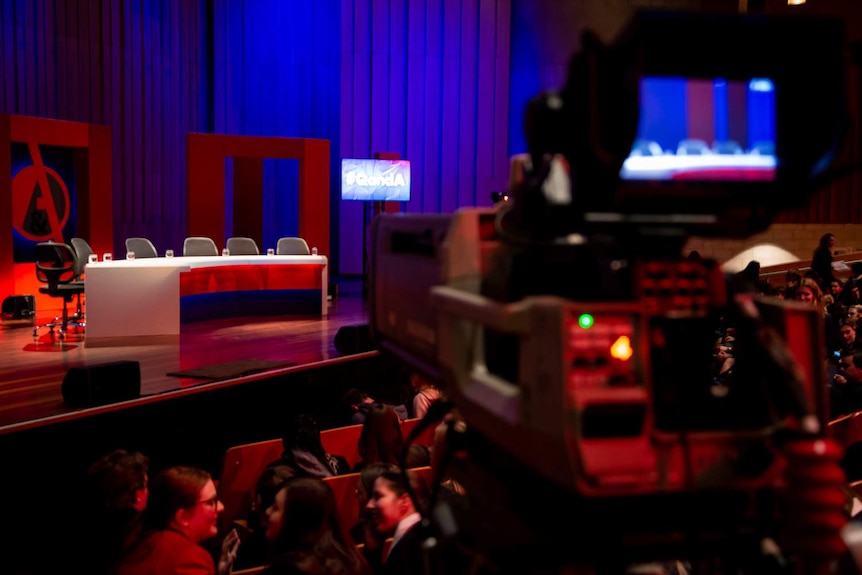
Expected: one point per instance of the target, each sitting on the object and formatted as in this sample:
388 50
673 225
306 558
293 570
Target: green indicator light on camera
586 321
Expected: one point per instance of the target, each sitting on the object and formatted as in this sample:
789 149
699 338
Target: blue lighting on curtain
722 115
761 112
277 73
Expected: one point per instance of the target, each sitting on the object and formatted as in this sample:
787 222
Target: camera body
575 339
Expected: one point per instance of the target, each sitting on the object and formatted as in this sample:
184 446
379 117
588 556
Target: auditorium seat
343 441
425 438
241 467
243 464
344 489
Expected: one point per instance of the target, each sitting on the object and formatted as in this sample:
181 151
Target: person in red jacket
181 515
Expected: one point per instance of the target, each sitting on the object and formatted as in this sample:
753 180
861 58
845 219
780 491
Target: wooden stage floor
32 371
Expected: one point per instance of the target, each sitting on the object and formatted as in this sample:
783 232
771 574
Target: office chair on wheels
56 267
82 258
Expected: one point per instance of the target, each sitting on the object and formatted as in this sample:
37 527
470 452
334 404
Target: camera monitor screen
704 129
375 180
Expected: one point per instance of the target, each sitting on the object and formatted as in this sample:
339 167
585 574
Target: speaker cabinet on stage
352 339
102 383
19 307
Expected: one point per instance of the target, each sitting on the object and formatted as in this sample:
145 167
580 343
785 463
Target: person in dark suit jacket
181 515
394 512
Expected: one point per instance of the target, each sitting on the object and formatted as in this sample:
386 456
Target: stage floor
32 371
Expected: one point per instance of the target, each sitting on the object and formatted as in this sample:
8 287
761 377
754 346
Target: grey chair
289 246
692 147
238 246
199 246
142 247
646 148
82 254
727 148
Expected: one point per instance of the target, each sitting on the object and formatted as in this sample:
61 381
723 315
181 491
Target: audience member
791 282
303 451
846 388
380 440
181 515
394 512
425 394
850 294
418 455
364 530
821 260
254 549
809 292
847 337
303 527
357 403
444 454
116 494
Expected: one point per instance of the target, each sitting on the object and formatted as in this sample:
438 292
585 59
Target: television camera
576 341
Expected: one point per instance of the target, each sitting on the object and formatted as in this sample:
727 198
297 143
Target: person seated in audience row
425 393
394 513
303 451
181 515
364 529
380 440
809 292
116 494
254 550
847 341
304 529
846 386
358 403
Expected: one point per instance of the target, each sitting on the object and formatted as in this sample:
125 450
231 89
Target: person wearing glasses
181 515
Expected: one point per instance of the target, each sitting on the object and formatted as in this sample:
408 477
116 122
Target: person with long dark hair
303 451
306 535
381 439
821 261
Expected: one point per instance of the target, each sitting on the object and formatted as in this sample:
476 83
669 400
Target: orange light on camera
622 348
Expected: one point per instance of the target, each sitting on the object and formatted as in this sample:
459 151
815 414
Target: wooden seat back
241 467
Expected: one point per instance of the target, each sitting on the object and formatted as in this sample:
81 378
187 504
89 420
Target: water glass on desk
107 257
314 251
169 253
270 252
130 256
225 252
93 258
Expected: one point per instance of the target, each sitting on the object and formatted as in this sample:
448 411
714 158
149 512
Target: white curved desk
139 301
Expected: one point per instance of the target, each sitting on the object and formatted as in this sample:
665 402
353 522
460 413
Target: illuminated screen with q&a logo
375 180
